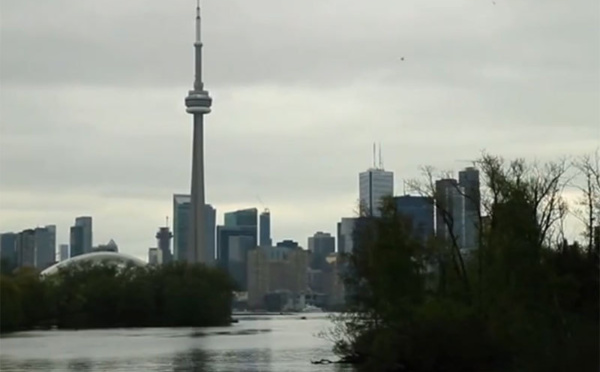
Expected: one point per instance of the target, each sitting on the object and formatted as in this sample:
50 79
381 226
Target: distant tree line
525 300
106 295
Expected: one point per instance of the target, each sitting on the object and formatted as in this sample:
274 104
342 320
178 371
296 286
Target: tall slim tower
198 103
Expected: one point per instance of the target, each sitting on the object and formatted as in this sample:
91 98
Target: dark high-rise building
345 235
265 229
181 222
243 217
210 222
340 241
181 230
86 223
45 246
468 179
237 264
320 245
77 241
288 244
26 248
64 252
419 209
234 243
450 210
163 236
8 250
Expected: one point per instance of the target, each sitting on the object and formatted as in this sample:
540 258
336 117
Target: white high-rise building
374 184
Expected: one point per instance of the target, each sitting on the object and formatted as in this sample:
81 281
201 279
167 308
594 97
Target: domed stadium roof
95 257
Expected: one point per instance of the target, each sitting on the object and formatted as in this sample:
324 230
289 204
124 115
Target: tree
521 300
588 167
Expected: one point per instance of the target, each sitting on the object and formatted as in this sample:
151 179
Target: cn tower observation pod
95 257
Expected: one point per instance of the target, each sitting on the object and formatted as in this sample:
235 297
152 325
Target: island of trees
525 300
103 296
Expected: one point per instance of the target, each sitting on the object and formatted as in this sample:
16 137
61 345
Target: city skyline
435 107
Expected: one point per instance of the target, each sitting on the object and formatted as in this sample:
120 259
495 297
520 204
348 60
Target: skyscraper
419 209
45 246
468 179
198 103
210 225
26 248
374 184
450 211
64 252
163 237
233 245
243 217
320 245
181 222
345 234
238 247
181 230
265 229
86 223
77 240
8 249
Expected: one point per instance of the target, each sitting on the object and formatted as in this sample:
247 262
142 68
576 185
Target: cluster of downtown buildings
285 275
36 247
268 275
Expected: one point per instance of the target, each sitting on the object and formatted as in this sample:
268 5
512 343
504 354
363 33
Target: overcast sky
92 120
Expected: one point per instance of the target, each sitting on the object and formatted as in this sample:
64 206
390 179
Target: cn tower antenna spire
198 83
198 38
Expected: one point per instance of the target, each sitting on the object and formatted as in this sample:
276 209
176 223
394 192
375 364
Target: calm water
261 343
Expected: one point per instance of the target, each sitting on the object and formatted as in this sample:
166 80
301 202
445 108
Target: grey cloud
311 43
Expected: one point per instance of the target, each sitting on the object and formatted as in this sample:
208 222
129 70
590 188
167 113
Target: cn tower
198 103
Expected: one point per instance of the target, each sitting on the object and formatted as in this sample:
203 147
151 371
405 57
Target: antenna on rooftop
167 218
374 157
380 158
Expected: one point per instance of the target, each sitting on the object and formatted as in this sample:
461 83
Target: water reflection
80 365
192 360
25 365
267 344
251 360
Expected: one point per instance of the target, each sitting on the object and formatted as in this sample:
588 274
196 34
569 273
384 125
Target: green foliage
10 304
99 296
523 301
